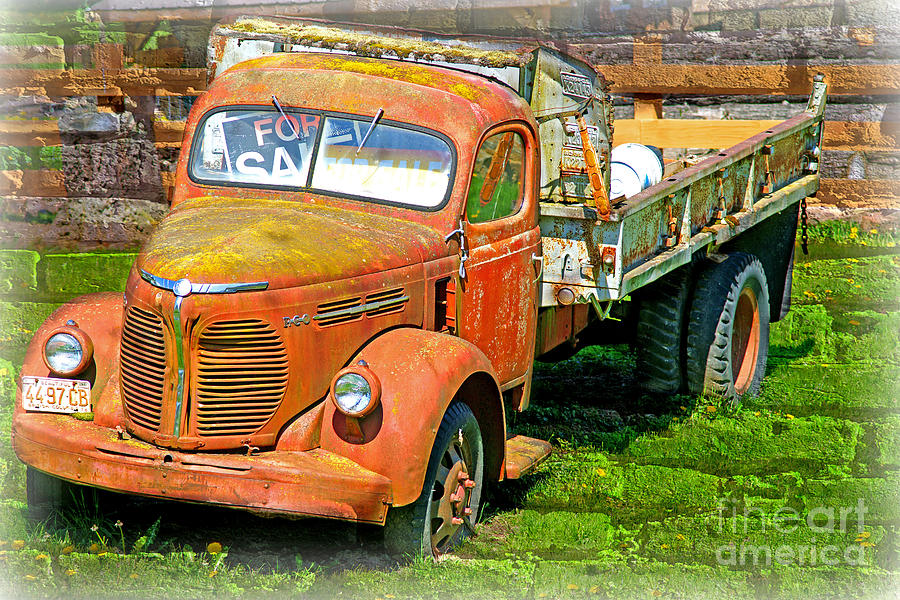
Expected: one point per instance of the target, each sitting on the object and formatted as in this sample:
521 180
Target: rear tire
451 492
728 328
660 333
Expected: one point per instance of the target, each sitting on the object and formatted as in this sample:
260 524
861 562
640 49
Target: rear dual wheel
447 509
705 329
728 328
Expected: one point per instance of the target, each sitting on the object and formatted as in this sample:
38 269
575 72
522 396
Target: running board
524 454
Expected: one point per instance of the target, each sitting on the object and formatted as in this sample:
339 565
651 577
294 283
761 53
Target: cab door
499 293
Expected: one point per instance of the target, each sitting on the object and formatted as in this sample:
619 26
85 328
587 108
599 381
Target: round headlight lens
352 393
63 353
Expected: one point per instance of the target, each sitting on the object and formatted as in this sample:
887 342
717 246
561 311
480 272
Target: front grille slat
143 364
241 377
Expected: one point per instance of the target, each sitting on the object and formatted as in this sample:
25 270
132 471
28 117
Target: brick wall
93 101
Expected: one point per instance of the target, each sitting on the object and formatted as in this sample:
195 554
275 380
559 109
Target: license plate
47 394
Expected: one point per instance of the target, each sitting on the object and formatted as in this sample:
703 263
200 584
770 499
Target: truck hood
287 244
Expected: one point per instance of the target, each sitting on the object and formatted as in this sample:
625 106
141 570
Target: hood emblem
184 287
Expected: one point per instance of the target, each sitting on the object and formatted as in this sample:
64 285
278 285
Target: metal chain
804 218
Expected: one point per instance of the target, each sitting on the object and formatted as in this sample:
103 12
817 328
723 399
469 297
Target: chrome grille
143 365
242 374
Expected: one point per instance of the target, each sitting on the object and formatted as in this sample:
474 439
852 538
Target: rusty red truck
372 237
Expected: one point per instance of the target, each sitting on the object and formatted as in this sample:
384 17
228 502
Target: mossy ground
794 494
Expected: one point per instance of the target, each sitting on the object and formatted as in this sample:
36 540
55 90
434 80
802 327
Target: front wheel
447 509
728 328
48 496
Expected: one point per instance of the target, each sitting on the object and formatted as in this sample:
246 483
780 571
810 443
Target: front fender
420 373
100 316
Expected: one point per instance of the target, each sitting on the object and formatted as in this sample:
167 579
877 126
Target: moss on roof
365 44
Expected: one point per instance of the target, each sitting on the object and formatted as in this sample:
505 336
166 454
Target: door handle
539 260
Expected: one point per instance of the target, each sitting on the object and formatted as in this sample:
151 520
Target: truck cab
352 247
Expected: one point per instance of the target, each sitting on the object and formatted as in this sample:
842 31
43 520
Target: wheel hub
451 503
745 339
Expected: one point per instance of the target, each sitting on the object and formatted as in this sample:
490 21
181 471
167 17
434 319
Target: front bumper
313 483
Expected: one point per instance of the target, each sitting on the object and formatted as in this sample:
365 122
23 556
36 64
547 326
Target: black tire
728 328
660 333
422 528
47 496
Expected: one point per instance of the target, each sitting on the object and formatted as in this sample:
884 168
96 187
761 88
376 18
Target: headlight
356 390
67 350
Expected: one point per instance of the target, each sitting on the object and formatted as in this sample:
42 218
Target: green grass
667 497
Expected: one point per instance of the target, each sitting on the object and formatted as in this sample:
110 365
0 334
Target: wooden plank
97 82
750 79
29 133
700 133
44 183
168 132
859 193
665 133
626 79
46 133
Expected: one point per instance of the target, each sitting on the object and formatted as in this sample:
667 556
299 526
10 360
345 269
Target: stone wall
93 101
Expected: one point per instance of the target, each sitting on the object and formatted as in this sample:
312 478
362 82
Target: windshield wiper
371 127
281 110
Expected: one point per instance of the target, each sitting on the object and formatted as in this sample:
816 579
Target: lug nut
467 511
462 476
456 521
469 483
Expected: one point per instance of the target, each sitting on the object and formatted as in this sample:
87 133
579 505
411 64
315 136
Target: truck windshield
260 148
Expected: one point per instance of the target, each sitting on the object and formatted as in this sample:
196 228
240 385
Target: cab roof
435 97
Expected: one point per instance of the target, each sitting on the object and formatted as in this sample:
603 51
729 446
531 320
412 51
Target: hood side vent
377 303
339 311
386 302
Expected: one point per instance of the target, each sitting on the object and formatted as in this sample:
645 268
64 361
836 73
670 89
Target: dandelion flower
41 556
30 577
788 416
710 409
133 576
571 586
213 573
68 549
214 548
664 546
70 572
601 472
678 536
18 544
